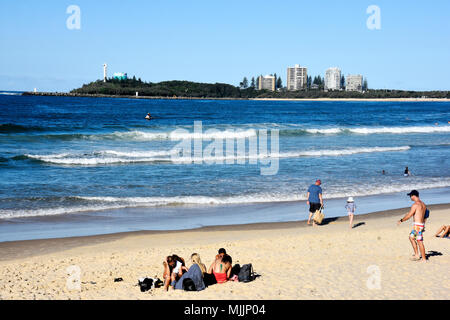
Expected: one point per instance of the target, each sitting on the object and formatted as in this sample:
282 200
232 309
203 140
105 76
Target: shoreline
80 95
21 249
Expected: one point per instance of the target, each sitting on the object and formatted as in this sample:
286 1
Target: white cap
350 199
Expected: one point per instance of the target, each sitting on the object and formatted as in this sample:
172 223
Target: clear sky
223 41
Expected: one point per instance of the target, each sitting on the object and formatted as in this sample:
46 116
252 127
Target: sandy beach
296 261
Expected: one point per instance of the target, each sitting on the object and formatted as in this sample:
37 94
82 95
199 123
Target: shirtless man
416 237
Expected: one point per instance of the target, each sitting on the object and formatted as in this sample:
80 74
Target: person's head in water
318 182
414 195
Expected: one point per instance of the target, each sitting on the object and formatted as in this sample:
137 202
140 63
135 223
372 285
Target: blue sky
223 41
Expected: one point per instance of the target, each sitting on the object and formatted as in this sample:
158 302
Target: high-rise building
333 79
266 82
354 82
296 77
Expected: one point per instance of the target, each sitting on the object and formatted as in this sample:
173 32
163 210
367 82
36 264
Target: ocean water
76 166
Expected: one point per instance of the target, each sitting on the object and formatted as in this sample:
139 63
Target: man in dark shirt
315 200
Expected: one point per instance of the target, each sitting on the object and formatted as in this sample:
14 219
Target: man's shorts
417 231
313 207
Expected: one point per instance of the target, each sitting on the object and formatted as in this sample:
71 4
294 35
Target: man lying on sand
416 236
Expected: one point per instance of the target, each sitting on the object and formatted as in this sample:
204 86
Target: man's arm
409 214
321 199
307 198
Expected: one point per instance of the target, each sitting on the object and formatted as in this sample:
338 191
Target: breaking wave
175 156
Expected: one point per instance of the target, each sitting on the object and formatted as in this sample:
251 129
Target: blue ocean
81 166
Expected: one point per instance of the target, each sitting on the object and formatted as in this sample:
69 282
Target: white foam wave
111 156
380 130
178 135
332 192
24 213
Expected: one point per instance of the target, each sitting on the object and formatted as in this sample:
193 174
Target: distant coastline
79 95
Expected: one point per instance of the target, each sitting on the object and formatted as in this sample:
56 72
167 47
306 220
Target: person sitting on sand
221 253
173 270
351 207
445 232
195 259
221 268
416 235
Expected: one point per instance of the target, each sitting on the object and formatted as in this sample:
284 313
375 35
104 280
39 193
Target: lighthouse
105 71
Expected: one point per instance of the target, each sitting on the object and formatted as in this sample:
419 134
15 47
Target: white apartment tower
266 82
333 79
296 77
354 82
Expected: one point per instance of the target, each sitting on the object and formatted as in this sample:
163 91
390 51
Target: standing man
416 236
315 200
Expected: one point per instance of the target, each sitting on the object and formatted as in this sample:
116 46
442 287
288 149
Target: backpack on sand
246 273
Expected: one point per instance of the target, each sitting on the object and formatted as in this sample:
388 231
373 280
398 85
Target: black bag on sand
246 273
146 284
189 285
235 270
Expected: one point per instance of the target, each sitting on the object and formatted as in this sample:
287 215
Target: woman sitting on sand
445 231
174 267
195 259
221 268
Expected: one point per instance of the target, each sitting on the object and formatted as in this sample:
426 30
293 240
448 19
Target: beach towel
195 274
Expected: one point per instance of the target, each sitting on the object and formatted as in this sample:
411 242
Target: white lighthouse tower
105 71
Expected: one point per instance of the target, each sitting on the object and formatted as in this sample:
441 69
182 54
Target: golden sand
331 261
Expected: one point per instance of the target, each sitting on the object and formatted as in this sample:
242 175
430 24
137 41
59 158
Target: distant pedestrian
351 208
315 200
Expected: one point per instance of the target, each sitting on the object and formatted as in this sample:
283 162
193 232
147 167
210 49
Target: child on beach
351 207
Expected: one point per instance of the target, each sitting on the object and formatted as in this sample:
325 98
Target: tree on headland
253 84
308 82
365 86
245 82
279 83
342 82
